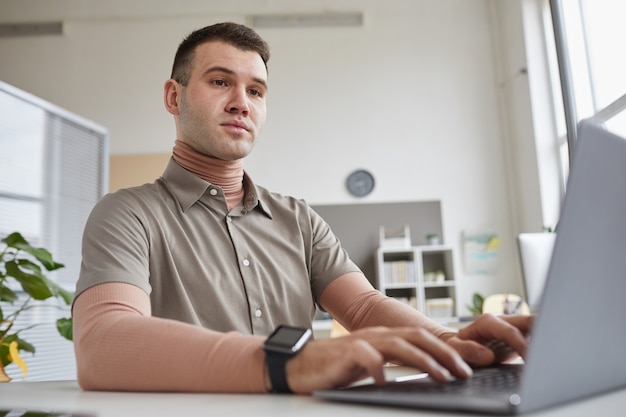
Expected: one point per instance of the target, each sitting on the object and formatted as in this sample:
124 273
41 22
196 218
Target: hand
492 339
335 362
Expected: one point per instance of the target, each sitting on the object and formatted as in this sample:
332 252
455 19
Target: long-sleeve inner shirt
180 283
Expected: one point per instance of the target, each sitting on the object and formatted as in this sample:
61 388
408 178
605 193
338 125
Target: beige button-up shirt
261 264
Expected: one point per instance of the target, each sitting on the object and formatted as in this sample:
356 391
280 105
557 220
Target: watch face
360 183
287 339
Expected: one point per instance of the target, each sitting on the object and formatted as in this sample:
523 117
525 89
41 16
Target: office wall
357 226
413 95
127 170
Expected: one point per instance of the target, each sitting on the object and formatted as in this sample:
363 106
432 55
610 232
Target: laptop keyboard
502 379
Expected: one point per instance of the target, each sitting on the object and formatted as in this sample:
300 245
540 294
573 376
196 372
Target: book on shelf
399 272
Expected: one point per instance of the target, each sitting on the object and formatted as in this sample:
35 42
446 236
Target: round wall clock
360 183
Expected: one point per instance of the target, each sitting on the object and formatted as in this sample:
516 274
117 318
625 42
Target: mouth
236 125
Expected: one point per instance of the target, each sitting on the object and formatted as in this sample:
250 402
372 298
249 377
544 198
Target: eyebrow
231 72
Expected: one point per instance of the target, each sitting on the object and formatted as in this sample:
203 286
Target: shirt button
258 313
246 262
213 191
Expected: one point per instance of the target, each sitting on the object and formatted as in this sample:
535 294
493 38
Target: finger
368 359
421 349
474 353
501 350
523 323
445 355
511 330
331 363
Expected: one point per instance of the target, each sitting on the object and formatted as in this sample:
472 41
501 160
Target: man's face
223 107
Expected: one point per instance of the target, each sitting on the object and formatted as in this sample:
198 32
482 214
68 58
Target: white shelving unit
421 276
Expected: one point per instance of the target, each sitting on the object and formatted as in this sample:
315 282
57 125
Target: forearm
352 301
120 347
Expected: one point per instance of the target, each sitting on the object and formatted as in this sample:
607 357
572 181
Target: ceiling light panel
307 20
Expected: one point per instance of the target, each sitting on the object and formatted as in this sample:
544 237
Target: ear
171 95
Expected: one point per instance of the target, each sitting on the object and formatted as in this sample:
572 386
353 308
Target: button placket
258 316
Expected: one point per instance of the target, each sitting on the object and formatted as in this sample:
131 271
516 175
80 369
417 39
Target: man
183 279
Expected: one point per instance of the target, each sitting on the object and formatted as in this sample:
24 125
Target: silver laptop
577 343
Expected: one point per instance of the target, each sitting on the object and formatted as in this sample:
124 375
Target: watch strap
276 363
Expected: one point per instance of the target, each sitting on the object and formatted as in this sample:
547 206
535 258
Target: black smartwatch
283 344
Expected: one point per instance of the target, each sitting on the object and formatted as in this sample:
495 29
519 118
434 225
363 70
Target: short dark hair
237 35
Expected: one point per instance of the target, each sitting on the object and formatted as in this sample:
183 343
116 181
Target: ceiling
38 10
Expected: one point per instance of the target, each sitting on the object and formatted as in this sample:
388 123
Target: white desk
67 396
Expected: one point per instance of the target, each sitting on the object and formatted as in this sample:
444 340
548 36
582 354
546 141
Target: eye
219 82
255 92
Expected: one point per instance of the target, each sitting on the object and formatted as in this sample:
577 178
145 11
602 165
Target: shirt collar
188 188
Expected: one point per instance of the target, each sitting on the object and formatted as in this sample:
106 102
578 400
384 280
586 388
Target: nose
238 103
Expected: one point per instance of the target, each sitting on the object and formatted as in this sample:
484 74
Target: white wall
414 95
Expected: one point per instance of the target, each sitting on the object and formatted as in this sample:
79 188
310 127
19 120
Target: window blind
53 169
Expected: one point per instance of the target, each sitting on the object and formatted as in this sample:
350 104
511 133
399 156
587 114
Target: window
589 36
53 169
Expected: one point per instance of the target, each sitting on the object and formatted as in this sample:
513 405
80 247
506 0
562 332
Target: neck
228 175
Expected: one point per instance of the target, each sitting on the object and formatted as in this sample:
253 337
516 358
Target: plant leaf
17 241
29 265
6 294
54 288
64 326
478 300
44 257
21 345
37 285
59 291
67 296
14 239
17 359
34 284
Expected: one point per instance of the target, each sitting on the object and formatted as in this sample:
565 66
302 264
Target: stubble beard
215 141
220 145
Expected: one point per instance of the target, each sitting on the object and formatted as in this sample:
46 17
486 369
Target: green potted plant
476 308
432 239
25 264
